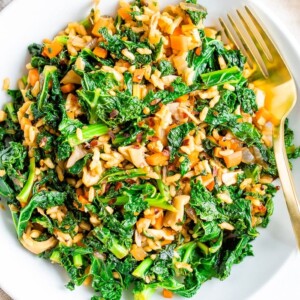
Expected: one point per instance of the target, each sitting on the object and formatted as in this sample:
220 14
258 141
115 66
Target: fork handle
286 178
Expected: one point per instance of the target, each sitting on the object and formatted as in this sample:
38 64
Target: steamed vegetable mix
137 152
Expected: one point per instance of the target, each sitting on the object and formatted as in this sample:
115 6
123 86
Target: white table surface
289 12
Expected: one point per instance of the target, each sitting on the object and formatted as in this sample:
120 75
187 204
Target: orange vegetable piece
233 159
208 181
198 51
83 201
167 294
211 186
100 52
159 222
217 152
33 76
124 13
88 279
183 98
157 159
67 88
194 157
138 75
177 31
102 22
52 49
179 42
225 143
235 145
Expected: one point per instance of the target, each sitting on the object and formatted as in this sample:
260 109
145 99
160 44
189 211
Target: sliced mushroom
89 179
76 155
172 219
37 247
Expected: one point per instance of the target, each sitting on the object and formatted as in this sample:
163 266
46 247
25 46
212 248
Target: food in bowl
136 152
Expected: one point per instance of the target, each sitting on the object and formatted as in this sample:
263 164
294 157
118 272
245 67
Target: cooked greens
135 152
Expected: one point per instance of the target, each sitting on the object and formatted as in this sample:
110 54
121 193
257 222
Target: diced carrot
183 98
88 279
177 31
83 201
97 27
102 22
124 13
138 75
225 143
198 51
233 159
33 76
194 158
100 52
217 152
179 42
157 159
167 294
159 222
211 186
208 181
52 49
67 88
187 28
235 145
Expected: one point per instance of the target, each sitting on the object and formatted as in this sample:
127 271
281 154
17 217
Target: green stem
104 235
122 175
9 107
47 75
77 260
55 257
163 189
203 248
189 252
142 268
88 133
25 192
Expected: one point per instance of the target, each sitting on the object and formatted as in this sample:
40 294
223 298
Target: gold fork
274 78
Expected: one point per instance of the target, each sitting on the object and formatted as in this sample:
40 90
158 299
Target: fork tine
245 36
232 36
247 19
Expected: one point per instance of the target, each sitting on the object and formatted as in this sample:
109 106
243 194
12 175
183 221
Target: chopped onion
247 156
